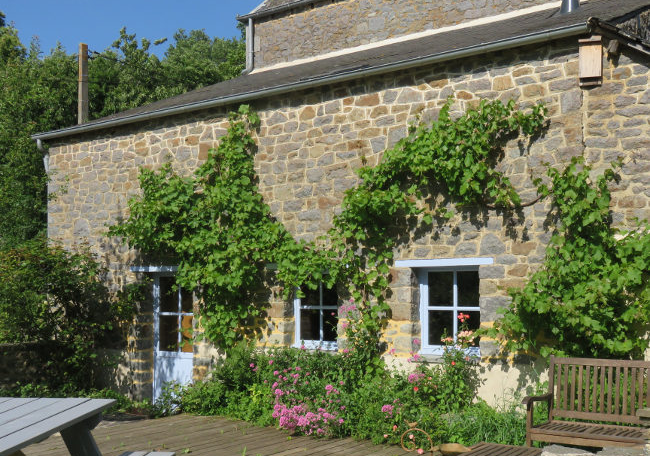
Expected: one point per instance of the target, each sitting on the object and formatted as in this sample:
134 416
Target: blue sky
98 22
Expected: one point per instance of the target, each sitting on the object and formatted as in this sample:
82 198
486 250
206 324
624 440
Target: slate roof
268 7
532 28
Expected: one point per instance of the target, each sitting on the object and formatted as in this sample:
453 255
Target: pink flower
416 341
463 317
385 436
270 362
411 436
394 427
453 363
415 388
420 451
252 365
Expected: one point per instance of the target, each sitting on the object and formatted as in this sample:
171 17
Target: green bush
286 385
481 423
58 300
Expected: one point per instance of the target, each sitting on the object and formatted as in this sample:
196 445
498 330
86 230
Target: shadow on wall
506 379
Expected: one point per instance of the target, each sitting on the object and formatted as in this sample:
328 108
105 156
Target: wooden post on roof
82 104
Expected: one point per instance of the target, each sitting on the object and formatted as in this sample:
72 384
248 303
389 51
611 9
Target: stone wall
311 142
331 26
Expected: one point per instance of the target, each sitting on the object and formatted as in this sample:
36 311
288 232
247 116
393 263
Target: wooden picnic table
24 421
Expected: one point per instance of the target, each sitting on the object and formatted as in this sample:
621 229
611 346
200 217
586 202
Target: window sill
317 345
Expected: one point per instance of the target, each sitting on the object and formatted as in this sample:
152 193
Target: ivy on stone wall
455 156
223 236
591 296
216 226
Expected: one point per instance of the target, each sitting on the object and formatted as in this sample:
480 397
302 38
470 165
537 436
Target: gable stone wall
325 27
311 142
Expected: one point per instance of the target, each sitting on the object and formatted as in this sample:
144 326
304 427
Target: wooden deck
201 435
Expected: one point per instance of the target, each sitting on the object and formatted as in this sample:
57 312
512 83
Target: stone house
335 80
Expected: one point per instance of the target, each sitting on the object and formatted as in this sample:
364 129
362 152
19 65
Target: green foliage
219 230
591 297
40 94
481 423
455 155
128 75
35 95
250 384
196 60
217 227
63 306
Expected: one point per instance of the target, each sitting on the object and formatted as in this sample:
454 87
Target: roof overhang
343 76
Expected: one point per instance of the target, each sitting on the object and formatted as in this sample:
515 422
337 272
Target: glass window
174 316
316 317
446 293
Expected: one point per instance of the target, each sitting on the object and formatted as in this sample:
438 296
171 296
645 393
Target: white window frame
422 269
313 344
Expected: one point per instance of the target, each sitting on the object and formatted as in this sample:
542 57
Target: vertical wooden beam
594 390
82 104
581 386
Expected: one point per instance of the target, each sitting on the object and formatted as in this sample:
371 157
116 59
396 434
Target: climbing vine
457 157
219 231
216 226
591 297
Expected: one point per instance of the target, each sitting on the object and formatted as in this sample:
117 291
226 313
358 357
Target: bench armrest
644 414
528 400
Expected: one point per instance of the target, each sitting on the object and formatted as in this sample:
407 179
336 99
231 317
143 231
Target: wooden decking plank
181 438
197 434
347 446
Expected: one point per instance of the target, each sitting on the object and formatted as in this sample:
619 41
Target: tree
128 75
35 95
40 94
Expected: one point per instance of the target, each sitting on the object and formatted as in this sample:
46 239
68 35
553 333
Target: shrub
57 299
481 423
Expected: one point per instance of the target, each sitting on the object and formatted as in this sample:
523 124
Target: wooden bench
583 389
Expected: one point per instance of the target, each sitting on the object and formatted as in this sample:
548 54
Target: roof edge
535 38
278 9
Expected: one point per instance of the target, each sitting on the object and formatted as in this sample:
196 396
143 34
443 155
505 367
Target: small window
316 318
174 315
445 294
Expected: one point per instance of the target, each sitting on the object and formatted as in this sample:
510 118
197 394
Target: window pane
473 323
168 297
330 320
309 324
168 333
330 296
440 325
186 334
186 301
467 288
474 320
441 288
311 298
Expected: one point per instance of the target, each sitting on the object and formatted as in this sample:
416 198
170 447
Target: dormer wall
320 27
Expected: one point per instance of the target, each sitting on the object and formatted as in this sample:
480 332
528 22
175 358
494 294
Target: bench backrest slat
599 389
